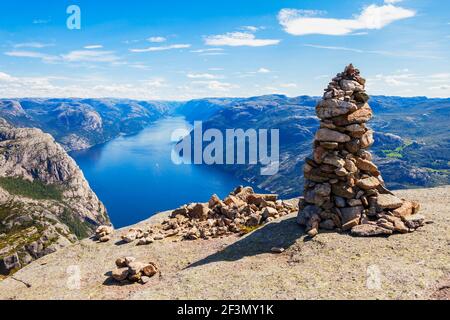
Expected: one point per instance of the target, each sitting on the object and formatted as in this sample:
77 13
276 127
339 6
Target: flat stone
332 136
388 201
351 213
364 114
368 183
369 230
342 190
330 108
406 209
366 165
329 145
349 225
334 161
351 85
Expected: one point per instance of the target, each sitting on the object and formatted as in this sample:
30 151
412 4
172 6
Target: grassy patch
76 226
34 190
246 230
397 153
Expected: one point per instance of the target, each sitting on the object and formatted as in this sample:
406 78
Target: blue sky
178 50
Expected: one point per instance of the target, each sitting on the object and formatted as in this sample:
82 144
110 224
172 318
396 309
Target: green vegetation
34 190
397 152
77 227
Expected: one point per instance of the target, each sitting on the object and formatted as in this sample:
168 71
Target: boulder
150 270
200 211
120 274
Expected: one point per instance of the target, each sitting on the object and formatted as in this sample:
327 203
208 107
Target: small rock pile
128 269
343 187
241 211
103 233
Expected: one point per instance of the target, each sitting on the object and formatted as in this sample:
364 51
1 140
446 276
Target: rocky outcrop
242 211
344 189
45 201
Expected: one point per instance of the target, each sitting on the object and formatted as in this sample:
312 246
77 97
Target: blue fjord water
135 177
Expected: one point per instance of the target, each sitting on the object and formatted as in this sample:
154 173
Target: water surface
135 177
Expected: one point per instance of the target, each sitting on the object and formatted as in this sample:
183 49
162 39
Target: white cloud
296 22
236 39
207 50
407 54
288 85
156 39
250 28
90 56
5 77
202 76
34 55
263 70
215 85
36 45
93 46
162 48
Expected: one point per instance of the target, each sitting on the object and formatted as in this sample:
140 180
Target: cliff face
45 201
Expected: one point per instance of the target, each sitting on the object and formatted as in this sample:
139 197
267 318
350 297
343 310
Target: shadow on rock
281 234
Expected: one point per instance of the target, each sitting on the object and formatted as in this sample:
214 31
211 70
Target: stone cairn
241 212
343 187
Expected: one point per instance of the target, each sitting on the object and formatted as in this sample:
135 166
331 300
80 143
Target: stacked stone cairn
343 188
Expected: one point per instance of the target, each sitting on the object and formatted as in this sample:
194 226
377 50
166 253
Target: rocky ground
330 266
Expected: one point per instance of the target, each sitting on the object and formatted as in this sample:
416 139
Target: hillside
45 201
82 123
331 266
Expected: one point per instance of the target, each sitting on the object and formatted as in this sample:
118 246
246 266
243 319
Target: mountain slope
45 201
412 139
81 123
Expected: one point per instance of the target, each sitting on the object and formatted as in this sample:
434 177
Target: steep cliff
45 201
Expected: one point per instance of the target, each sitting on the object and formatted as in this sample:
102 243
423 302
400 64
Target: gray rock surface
45 201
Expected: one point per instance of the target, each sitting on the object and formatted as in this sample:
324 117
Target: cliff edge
330 266
45 201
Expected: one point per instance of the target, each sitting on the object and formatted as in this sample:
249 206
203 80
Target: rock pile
103 233
343 187
128 269
241 211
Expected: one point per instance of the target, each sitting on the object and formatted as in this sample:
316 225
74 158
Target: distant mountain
45 201
82 123
412 136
